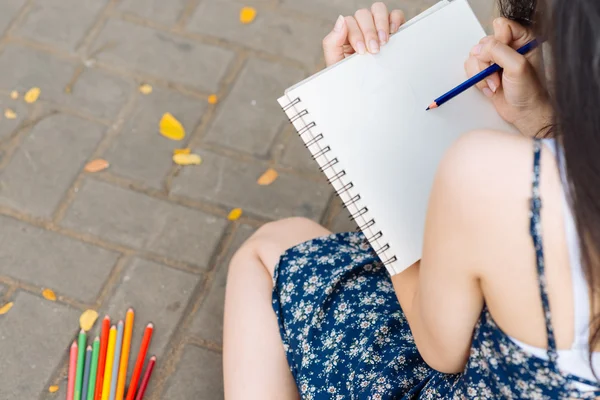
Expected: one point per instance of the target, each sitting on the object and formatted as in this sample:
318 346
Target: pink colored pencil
72 371
146 379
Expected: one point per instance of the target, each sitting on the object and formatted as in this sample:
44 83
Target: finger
333 44
512 33
355 36
514 64
472 67
381 18
397 19
367 26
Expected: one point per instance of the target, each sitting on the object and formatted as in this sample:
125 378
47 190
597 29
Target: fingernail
488 92
382 36
492 85
360 47
374 46
477 49
393 28
339 24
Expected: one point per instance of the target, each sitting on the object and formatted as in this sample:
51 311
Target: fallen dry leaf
10 114
187 159
96 165
171 128
247 15
87 319
235 214
5 308
213 99
49 294
268 177
53 389
32 95
14 95
145 88
182 151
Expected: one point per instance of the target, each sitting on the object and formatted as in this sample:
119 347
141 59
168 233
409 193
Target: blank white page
371 112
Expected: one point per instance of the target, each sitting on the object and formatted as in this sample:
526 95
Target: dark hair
572 28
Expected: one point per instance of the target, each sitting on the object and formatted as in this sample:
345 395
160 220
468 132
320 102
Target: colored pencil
102 357
139 364
146 379
115 368
110 355
93 371
469 83
80 364
122 378
86 372
72 371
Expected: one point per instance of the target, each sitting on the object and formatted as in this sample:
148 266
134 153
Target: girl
503 303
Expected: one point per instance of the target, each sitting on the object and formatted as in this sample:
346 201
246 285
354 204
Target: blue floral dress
346 337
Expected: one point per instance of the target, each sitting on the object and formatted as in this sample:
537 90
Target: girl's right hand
518 92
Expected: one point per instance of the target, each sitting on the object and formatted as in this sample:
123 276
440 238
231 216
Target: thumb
512 33
516 68
333 44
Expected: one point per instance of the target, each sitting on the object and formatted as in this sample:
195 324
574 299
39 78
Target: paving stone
331 9
9 126
25 68
342 222
49 159
158 294
140 221
36 330
164 55
208 322
165 12
233 183
140 152
2 289
8 10
270 31
62 23
297 156
49 259
199 376
253 101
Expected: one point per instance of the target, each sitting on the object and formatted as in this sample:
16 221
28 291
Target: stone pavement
146 233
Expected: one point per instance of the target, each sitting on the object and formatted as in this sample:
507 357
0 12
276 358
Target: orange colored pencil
139 364
122 376
102 356
72 371
146 379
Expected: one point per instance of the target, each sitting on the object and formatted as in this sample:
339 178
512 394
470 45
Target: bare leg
254 361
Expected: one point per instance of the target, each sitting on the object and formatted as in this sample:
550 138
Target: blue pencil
86 372
492 69
117 360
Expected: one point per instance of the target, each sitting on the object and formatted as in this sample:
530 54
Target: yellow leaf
182 151
213 99
187 159
145 88
171 128
96 165
247 15
87 319
10 114
235 214
5 308
268 177
14 95
32 95
49 294
53 389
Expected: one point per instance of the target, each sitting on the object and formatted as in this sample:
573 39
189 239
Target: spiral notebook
364 121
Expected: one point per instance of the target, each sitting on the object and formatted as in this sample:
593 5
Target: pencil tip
150 325
74 344
113 327
428 108
130 309
97 339
432 106
82 331
153 358
107 317
89 348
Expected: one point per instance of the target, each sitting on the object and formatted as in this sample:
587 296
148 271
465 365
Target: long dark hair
572 28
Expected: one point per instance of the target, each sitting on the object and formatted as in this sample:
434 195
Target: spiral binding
337 178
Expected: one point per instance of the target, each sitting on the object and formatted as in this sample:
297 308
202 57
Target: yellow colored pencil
110 356
125 354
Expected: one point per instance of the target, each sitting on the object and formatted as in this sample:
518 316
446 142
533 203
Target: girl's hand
366 31
518 92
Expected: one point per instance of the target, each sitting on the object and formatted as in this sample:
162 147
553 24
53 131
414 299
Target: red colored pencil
146 379
102 357
139 363
72 371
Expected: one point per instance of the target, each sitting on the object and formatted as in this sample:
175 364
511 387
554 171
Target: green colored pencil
80 363
93 371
